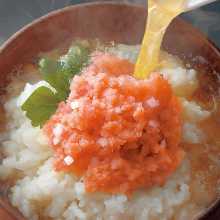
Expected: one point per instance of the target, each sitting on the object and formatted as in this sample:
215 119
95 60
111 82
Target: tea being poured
160 15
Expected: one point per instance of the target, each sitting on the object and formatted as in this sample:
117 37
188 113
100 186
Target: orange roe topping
120 133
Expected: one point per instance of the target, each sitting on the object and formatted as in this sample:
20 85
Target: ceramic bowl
122 23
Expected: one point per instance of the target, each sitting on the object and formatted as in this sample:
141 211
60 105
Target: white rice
42 193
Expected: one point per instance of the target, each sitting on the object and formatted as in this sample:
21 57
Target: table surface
15 14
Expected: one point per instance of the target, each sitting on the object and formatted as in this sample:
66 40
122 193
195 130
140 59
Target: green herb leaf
52 72
43 102
76 58
40 105
58 73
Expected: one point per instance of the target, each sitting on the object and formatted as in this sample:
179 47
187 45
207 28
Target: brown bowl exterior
122 23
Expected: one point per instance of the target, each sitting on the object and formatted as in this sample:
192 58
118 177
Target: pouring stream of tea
160 15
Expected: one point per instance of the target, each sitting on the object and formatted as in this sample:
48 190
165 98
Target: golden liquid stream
160 15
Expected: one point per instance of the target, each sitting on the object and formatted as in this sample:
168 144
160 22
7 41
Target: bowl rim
65 9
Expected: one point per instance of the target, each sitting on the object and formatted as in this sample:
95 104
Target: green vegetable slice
40 106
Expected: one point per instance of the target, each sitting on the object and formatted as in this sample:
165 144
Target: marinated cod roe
120 133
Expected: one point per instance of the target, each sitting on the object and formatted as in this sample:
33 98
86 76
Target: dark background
14 14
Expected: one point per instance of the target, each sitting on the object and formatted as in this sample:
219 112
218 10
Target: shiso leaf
58 73
42 103
76 58
53 73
